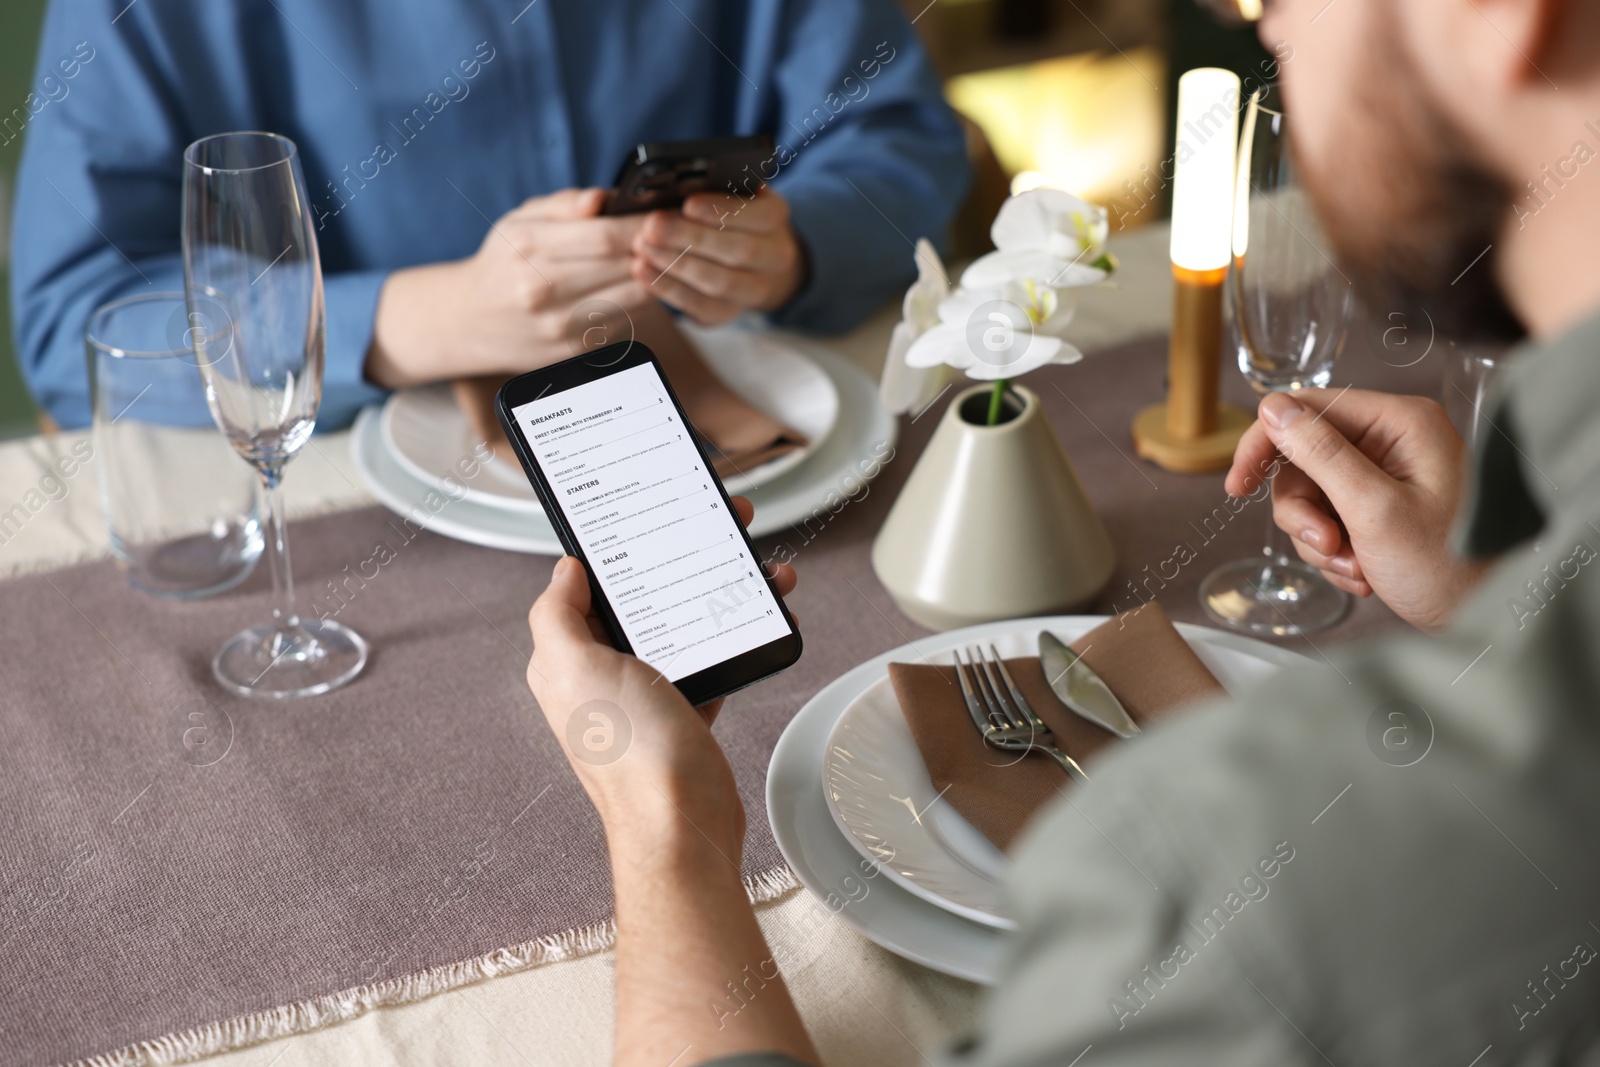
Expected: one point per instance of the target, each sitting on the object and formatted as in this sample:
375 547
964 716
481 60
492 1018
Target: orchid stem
996 399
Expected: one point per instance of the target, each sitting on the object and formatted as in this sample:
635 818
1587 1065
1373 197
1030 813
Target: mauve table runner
423 816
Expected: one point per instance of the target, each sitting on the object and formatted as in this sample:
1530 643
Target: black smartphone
627 486
663 174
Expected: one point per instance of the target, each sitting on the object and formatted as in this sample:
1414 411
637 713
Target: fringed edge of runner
324 1011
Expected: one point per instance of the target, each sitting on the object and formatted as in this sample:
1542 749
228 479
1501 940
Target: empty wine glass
1291 310
253 282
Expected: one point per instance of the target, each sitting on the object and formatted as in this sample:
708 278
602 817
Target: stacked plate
415 452
863 827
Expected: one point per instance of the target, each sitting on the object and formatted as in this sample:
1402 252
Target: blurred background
19 36
1075 94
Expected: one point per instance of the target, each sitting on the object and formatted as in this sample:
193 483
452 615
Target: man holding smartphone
1436 908
455 154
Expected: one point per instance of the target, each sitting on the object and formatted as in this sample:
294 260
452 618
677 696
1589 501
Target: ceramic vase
993 522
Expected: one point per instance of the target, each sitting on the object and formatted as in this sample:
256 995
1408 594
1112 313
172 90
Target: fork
1002 715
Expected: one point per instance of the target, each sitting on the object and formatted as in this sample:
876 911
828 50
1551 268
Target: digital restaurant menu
663 546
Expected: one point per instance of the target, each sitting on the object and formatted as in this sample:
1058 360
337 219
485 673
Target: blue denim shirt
419 121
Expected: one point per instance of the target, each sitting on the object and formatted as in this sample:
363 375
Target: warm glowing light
1090 124
1202 188
1250 10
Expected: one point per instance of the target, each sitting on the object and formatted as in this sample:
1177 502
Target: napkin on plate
738 436
1140 655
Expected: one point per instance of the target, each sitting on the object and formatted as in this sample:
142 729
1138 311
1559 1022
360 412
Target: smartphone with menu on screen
627 486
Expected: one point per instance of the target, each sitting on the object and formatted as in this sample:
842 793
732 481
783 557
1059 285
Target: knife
1083 691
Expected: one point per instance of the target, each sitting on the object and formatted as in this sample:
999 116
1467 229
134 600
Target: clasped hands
514 304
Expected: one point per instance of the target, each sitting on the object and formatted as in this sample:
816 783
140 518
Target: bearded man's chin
1411 215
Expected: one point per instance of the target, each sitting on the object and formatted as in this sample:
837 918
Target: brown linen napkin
738 437
1140 655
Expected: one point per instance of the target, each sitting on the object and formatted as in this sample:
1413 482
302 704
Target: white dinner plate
827 861
879 793
427 433
861 442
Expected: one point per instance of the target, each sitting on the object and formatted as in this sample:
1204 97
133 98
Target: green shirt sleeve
1116 951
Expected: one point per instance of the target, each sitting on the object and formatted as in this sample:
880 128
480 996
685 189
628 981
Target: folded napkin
1140 655
737 436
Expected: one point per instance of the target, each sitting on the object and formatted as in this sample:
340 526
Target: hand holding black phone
663 174
630 493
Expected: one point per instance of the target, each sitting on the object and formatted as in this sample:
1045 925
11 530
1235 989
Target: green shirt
1389 857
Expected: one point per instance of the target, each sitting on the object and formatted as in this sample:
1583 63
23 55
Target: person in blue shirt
454 153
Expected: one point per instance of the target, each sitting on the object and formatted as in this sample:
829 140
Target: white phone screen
663 546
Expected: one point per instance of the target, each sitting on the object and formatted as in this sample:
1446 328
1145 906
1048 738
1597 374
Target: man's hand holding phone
659 763
721 255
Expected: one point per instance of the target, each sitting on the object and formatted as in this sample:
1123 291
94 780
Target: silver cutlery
1001 714
1083 691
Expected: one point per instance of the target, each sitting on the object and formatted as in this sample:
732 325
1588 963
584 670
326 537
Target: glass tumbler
180 505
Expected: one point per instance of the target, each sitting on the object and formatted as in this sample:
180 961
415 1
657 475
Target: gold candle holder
1192 431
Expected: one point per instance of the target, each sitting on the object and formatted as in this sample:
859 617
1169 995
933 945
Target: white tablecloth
863 1005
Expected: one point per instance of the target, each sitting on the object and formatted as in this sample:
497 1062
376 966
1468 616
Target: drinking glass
254 284
1291 311
179 506
1470 371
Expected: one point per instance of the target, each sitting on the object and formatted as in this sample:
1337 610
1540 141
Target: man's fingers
1378 424
1307 524
783 575
1349 585
1252 461
1315 445
1342 569
561 614
785 578
1301 511
1342 563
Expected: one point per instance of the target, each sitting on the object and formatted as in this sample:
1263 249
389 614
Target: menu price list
665 549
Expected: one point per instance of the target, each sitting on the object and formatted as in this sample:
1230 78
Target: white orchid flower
1049 236
903 387
999 333
921 305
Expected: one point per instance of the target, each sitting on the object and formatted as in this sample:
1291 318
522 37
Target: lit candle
1191 431
1202 186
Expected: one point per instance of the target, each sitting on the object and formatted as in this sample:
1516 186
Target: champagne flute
1291 309
253 282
